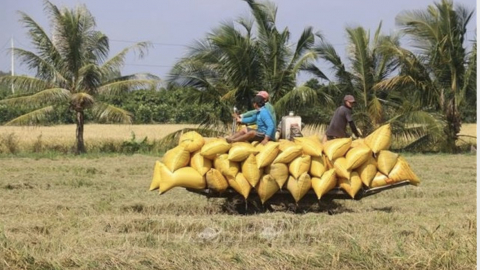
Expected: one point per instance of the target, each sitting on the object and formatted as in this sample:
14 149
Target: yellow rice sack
358 142
300 165
258 146
380 139
311 145
192 141
357 156
367 171
340 166
337 147
299 187
381 179
402 171
386 160
176 158
216 180
240 151
250 170
225 166
288 154
266 188
322 185
156 179
240 184
186 177
215 147
266 156
328 163
317 167
351 186
255 143
283 144
200 163
279 172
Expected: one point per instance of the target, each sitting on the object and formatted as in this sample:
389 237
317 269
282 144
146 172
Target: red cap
264 94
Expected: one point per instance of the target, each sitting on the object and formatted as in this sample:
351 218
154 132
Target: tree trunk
80 143
453 126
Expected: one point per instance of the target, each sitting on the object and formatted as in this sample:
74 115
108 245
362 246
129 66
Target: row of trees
146 106
421 91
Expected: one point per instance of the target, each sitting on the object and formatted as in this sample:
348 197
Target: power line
148 65
183 45
3 47
156 43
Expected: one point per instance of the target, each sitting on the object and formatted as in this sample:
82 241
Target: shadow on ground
237 205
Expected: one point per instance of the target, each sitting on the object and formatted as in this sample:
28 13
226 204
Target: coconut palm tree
238 59
71 67
368 65
439 69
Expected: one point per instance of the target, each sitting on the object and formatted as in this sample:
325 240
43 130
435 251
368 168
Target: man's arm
248 114
354 129
250 119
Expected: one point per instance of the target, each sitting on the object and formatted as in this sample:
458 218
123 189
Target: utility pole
13 65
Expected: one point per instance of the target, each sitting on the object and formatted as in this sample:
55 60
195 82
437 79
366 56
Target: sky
174 25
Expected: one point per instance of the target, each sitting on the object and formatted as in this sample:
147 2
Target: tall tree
238 59
439 66
368 65
71 67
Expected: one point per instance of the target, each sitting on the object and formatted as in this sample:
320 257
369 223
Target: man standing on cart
340 119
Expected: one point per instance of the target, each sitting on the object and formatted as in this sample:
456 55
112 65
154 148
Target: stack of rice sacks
297 166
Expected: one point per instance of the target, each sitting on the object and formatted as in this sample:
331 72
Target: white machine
291 126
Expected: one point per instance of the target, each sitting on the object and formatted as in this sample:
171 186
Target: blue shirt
270 108
264 122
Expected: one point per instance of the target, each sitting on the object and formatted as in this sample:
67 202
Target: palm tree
369 64
238 59
71 68
441 72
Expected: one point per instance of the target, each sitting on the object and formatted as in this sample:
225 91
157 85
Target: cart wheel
236 204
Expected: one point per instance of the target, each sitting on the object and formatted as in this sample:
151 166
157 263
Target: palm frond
110 114
45 67
295 100
40 99
32 118
40 39
312 69
25 84
126 84
81 101
304 43
113 65
375 111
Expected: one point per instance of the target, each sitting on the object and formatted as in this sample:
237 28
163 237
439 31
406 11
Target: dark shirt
338 124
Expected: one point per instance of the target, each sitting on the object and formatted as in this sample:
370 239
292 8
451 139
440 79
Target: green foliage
237 59
133 146
70 76
441 71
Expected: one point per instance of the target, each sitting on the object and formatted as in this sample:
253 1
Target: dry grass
468 134
96 213
62 137
108 138
92 132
